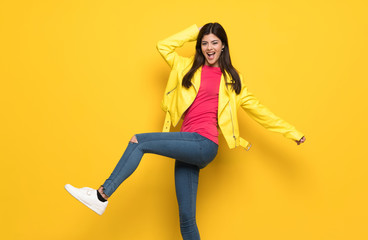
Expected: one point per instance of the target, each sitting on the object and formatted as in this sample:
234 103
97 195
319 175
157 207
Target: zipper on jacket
232 124
170 91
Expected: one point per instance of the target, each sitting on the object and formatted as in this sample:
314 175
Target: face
211 48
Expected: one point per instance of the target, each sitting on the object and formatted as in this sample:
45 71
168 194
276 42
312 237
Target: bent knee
133 139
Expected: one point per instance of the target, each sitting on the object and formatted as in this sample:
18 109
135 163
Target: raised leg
190 148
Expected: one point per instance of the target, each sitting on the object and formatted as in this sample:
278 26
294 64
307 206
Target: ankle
100 190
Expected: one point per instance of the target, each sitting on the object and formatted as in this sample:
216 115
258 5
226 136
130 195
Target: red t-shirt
201 116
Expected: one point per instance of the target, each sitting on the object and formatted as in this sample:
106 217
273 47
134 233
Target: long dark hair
224 60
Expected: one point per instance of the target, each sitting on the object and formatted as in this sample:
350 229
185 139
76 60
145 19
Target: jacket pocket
168 99
171 91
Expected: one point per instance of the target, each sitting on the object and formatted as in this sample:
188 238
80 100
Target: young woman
204 90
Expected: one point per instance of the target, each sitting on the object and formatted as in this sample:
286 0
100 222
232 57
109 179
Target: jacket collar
196 80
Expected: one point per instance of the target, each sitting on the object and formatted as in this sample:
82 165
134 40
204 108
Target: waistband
242 142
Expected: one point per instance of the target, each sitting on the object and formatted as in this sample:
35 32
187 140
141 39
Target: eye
204 43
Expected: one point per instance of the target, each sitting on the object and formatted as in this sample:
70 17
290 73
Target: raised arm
167 46
268 119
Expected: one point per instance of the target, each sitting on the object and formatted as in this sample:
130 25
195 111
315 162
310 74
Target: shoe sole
70 189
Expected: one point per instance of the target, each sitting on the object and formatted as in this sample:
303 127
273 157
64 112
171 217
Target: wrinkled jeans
191 151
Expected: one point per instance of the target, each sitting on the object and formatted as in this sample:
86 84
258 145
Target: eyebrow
211 41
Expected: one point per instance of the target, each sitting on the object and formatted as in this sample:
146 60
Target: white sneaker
88 197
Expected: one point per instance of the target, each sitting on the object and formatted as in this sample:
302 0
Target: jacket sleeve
265 117
167 46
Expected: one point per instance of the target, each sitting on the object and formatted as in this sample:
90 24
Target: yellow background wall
79 78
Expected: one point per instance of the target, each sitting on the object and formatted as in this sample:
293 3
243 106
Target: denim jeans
191 151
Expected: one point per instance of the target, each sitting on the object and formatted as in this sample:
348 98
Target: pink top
201 116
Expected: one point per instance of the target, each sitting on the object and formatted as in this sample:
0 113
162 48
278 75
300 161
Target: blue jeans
191 151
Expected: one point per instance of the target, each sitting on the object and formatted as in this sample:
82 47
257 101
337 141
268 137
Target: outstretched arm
268 119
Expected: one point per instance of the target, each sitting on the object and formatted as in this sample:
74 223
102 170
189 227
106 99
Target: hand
300 141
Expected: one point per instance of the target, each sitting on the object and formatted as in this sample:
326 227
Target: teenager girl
204 90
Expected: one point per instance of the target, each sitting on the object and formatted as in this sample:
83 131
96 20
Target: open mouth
211 56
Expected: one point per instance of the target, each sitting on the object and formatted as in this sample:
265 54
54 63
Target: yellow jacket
177 99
